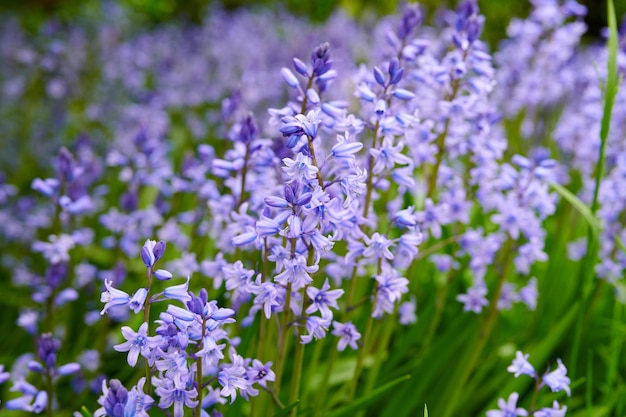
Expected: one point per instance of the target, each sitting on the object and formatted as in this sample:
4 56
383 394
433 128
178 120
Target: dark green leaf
354 407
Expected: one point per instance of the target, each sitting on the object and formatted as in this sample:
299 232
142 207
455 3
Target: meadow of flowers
264 217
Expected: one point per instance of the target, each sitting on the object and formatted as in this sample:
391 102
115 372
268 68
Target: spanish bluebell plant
258 216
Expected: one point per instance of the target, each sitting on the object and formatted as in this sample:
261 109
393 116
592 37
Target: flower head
558 380
508 408
521 366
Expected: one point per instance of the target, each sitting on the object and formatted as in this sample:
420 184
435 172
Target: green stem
361 356
441 144
296 375
275 398
50 391
199 369
440 298
380 354
485 329
326 381
284 340
370 176
244 172
146 319
589 260
534 399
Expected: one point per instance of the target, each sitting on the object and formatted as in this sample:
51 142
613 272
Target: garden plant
256 215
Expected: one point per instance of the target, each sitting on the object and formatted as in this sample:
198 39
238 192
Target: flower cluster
556 381
317 187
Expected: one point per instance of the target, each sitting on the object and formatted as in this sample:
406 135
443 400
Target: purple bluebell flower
558 380
316 328
378 246
297 272
269 297
114 399
388 155
475 298
508 408
56 273
47 187
47 348
136 302
151 252
178 292
345 149
177 392
232 377
162 274
4 376
405 217
555 411
348 335
57 250
261 373
528 294
113 297
137 343
521 366
289 78
406 312
508 296
389 290
301 168
32 400
323 299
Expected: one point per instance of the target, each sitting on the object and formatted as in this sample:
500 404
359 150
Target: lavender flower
175 392
508 408
555 411
348 334
521 366
151 252
475 299
137 343
557 380
323 299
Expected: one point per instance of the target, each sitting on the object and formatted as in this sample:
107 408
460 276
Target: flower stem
146 319
441 143
361 356
296 375
370 177
484 331
199 369
50 391
321 399
244 172
284 340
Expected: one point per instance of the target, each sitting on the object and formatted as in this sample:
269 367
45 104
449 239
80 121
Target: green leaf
609 98
84 412
425 411
620 244
611 80
285 411
581 207
355 406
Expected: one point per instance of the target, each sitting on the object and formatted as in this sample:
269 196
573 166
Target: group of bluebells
304 191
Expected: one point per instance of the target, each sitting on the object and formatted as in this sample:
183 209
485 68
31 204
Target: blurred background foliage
33 13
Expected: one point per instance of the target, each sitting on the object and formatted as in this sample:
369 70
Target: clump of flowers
556 380
261 216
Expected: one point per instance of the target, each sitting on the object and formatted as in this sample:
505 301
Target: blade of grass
587 270
581 207
355 406
84 412
285 411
